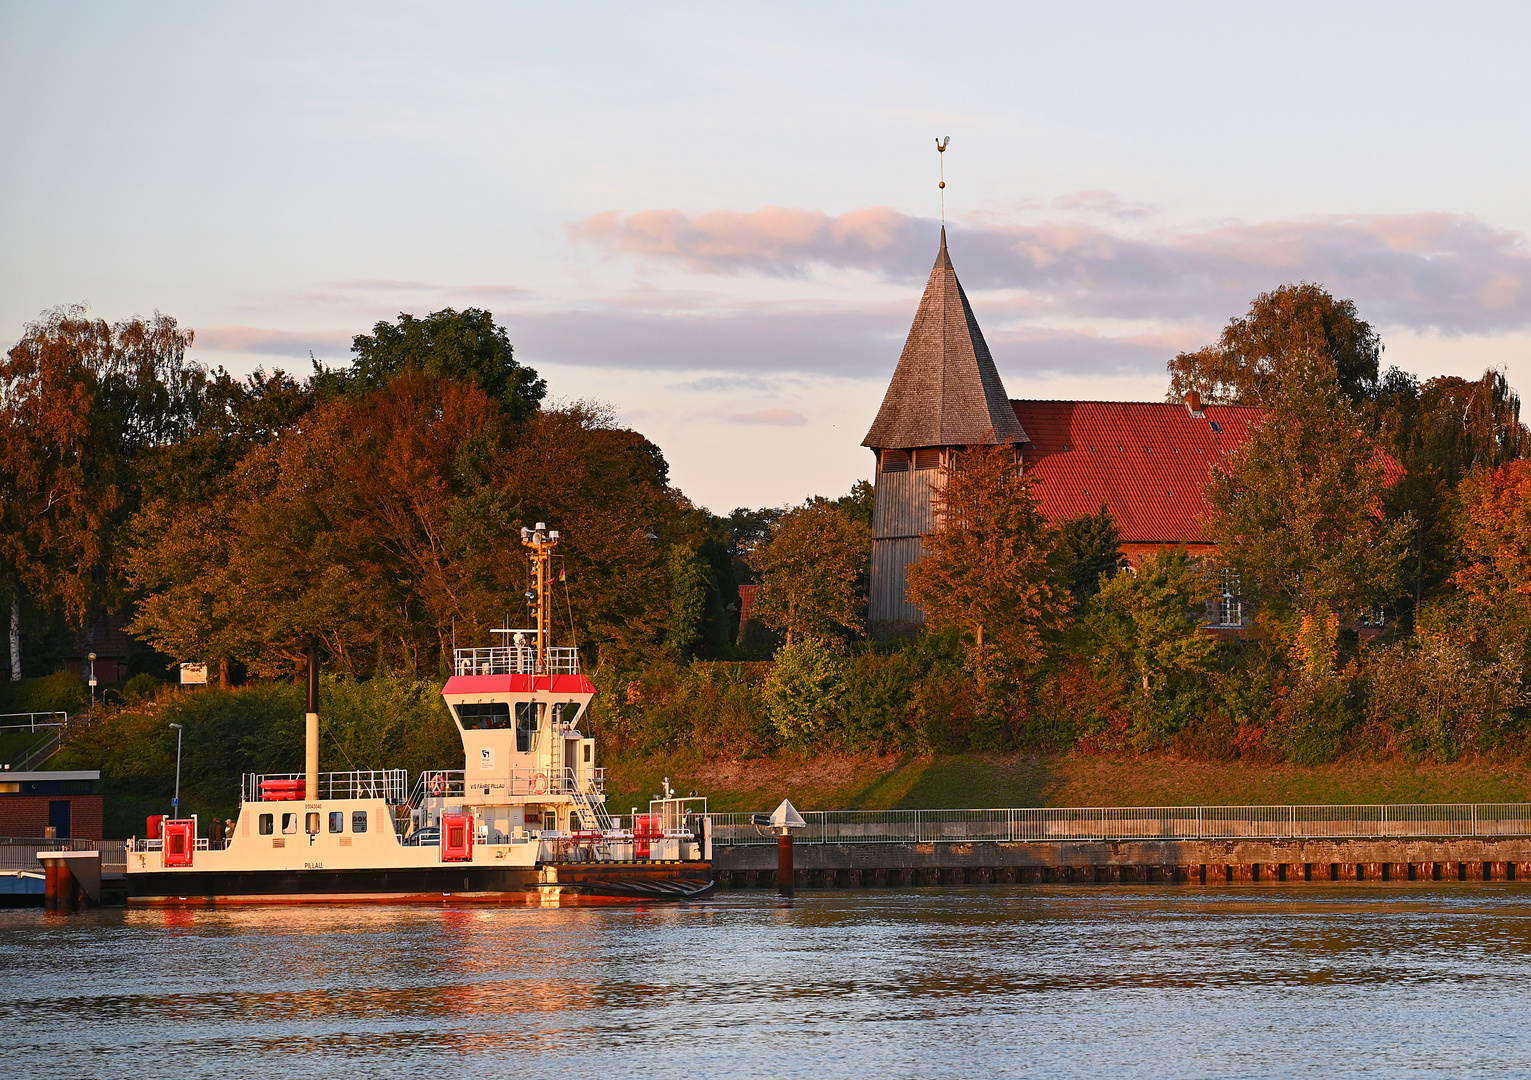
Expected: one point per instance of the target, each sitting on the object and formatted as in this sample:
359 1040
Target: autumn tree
374 525
1491 524
988 568
1283 328
81 402
810 572
1440 431
1299 511
447 344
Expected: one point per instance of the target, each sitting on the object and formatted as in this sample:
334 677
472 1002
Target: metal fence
1138 823
20 853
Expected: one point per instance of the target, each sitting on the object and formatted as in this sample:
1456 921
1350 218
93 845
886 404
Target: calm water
973 983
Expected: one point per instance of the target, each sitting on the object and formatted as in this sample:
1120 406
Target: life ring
438 785
540 784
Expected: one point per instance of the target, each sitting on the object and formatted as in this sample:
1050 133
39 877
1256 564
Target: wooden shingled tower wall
945 394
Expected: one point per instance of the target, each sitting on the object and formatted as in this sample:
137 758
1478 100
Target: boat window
290 824
266 824
566 713
337 821
358 821
484 714
313 822
526 726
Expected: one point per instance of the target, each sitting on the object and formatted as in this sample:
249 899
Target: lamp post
175 803
92 658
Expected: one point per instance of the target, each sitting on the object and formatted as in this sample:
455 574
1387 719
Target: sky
717 219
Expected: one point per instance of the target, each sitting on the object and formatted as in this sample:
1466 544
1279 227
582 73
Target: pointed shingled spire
945 390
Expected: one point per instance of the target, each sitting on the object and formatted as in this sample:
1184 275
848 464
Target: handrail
36 755
515 660
389 784
1101 823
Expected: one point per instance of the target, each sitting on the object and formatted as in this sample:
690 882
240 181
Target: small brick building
32 803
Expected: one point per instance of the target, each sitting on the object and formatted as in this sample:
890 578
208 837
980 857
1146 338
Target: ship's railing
389 784
514 660
1367 821
457 784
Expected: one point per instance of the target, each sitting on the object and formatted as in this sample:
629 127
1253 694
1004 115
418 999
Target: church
1147 462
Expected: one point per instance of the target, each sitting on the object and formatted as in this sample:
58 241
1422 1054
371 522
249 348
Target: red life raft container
180 842
153 825
282 790
646 829
456 837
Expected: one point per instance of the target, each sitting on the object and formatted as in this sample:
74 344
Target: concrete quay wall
1167 862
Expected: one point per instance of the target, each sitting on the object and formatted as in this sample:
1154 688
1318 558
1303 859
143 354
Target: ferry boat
524 820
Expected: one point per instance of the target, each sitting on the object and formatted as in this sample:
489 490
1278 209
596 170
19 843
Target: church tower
945 395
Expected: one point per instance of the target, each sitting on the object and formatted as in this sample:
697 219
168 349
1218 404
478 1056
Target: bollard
784 874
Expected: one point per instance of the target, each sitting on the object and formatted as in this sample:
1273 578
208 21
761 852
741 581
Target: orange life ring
540 784
438 785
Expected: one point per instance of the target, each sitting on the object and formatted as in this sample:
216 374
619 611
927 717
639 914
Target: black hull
432 884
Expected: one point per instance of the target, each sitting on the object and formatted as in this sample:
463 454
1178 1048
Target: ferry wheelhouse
525 819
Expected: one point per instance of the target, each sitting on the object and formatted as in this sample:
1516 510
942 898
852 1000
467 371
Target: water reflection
920 983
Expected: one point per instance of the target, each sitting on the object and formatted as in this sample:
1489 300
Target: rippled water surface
977 982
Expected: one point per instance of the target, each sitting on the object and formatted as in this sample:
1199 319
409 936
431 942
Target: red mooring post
60 890
784 871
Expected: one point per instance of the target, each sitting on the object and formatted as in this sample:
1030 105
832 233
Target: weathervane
941 157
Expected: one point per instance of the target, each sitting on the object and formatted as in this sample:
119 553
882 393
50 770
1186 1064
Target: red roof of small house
1147 462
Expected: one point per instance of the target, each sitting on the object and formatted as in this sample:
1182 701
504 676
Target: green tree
1150 621
810 571
1089 550
690 585
1299 511
465 345
1283 328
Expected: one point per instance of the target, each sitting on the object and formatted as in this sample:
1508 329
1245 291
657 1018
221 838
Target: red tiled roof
1148 462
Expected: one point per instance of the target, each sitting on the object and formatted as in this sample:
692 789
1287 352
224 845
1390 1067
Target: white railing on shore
20 852
52 726
389 784
1374 821
514 660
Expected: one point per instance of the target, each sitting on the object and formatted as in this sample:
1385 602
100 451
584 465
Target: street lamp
175 803
92 659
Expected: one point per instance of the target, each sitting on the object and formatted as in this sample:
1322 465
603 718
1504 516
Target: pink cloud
1446 272
254 339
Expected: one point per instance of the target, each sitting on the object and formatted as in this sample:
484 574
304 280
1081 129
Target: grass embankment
1006 780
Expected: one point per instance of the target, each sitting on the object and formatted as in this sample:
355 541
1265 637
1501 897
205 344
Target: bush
59 692
805 694
1433 699
140 688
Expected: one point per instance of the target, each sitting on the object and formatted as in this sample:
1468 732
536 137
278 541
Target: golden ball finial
942 184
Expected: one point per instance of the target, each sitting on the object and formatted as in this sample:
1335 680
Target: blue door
58 817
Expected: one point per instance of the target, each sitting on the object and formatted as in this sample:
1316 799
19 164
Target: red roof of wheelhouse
1147 462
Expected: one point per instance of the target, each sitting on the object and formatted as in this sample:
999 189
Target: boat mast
541 541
